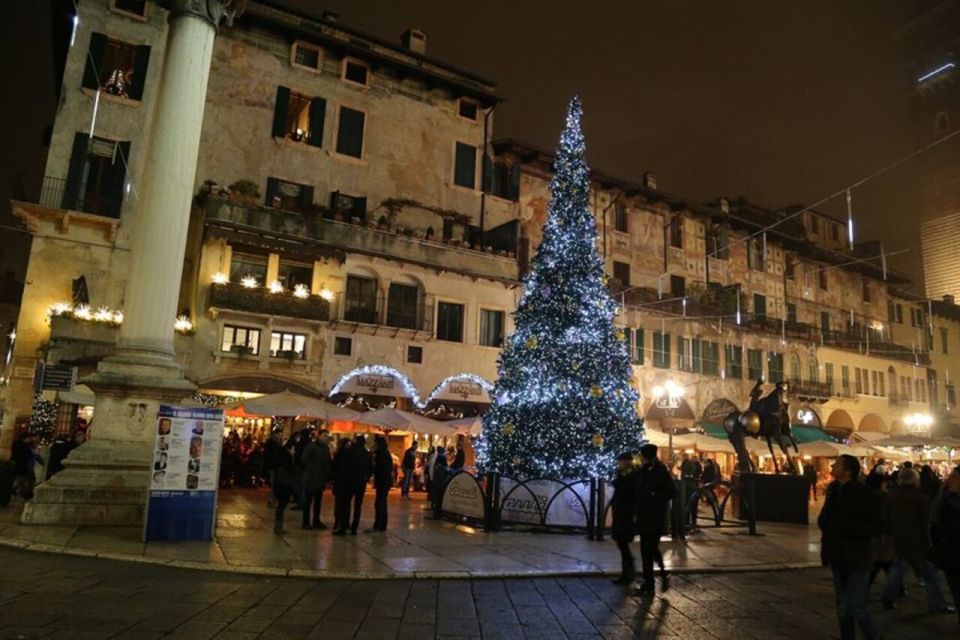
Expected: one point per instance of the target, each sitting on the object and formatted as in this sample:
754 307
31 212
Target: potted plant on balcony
241 350
288 354
418 233
245 192
383 223
431 234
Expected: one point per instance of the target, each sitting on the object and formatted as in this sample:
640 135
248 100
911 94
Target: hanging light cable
850 219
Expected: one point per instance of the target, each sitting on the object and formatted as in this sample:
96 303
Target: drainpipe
483 175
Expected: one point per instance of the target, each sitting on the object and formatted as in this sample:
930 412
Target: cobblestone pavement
51 596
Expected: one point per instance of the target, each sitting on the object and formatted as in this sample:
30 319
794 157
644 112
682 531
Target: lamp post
667 398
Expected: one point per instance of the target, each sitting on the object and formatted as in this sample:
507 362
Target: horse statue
766 417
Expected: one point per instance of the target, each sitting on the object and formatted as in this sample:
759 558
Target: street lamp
918 422
667 398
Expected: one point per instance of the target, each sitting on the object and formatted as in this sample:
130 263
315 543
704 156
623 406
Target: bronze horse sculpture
766 417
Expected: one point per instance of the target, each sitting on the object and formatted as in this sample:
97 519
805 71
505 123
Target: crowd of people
301 469
888 521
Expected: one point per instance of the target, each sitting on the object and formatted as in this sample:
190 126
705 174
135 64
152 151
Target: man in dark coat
459 458
908 521
623 506
342 492
408 464
284 486
357 470
315 464
654 492
945 529
24 456
271 458
850 521
382 481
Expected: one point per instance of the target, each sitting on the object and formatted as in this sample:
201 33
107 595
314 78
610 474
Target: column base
105 480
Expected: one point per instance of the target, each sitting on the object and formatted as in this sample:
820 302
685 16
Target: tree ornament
508 429
532 342
575 365
596 391
619 335
561 386
597 440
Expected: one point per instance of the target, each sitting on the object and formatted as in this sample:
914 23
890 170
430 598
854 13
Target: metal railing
377 311
259 300
51 192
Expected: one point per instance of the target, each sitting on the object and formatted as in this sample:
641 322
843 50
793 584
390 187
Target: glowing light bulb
183 324
301 291
220 278
249 282
276 287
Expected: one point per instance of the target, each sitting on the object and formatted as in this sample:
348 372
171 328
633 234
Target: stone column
105 480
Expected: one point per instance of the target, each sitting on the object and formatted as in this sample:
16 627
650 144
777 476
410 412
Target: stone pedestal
105 480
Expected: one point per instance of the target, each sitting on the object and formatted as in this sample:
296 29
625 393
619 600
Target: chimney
330 16
949 299
414 40
650 180
724 205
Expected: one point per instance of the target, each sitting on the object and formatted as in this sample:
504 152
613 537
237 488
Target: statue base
776 498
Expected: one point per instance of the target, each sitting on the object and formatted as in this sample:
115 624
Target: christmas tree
563 407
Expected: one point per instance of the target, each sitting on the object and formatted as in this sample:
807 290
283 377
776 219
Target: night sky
782 102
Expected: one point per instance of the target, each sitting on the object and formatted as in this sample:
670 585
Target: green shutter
486 176
318 115
92 72
515 185
118 175
306 197
78 161
638 345
140 72
350 132
697 355
465 166
280 110
666 351
273 186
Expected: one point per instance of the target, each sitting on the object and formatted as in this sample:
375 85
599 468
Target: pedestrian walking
271 457
908 521
428 470
316 465
357 468
341 487
60 449
284 486
884 553
408 465
710 474
624 505
459 458
24 456
850 521
810 475
929 482
654 491
382 481
945 530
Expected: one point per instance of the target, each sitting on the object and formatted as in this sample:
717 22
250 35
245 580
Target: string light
183 324
483 383
327 294
301 291
379 370
249 282
220 278
276 287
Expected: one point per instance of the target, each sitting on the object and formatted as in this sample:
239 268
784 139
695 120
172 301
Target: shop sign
185 474
463 496
463 389
670 407
54 377
718 410
374 383
527 502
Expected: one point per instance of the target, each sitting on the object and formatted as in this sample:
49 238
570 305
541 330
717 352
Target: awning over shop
803 433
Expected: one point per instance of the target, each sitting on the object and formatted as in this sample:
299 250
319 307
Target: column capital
212 11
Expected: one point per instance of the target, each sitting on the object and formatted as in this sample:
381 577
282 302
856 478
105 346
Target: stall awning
714 430
802 433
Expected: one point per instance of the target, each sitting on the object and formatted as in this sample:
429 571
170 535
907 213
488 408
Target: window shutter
280 112
78 160
350 132
306 197
681 352
318 114
98 42
273 186
638 344
696 348
360 208
140 72
465 166
487 177
515 182
118 175
666 350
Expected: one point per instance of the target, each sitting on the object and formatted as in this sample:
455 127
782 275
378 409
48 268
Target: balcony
239 298
811 390
866 342
360 237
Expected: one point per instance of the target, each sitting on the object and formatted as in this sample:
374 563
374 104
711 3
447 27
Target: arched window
794 367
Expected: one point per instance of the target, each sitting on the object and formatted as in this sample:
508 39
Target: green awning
801 432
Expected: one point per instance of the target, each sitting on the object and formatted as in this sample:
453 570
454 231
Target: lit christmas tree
563 407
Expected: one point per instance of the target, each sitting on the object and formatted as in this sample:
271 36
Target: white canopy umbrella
289 404
657 437
702 442
905 440
889 453
824 449
470 426
398 420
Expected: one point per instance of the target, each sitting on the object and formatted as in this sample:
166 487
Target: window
755 254
794 367
759 306
248 265
828 375
288 345
305 55
733 361
360 300
880 385
718 244
491 328
951 395
845 379
348 206
465 166
822 278
710 357
791 313
403 306
676 232
834 232
916 317
905 388
621 272
874 383
289 196
775 365
243 340
291 273
342 346
865 288
814 225
118 68
688 356
350 132
638 346
678 286
96 178
899 312
620 217
825 321
661 350
298 117
356 72
859 382
944 347
789 267
813 371
414 354
891 311
450 322
468 109
754 364
133 7
504 180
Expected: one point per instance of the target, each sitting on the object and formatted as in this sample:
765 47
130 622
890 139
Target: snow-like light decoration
484 384
82 312
379 370
301 291
249 282
220 278
327 294
103 314
563 406
276 287
183 325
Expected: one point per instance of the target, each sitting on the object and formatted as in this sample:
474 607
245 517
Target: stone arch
872 422
840 419
258 383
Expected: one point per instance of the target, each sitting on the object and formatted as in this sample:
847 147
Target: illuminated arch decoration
379 371
485 385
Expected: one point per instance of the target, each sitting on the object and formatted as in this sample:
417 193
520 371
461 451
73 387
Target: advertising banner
185 474
561 506
463 496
